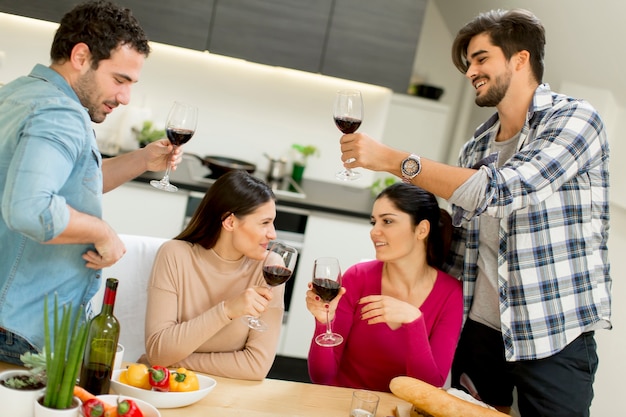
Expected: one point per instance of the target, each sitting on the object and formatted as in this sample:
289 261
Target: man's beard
496 93
86 91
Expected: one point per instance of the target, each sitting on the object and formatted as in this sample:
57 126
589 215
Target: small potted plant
64 348
20 388
148 133
299 163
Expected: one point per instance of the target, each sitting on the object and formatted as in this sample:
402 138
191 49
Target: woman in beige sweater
205 280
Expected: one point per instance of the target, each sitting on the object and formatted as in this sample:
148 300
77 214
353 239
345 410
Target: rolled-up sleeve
48 147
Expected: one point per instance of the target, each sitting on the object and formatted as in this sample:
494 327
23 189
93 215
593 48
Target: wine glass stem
328 329
168 169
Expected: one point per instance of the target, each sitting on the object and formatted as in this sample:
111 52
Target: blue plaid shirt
552 199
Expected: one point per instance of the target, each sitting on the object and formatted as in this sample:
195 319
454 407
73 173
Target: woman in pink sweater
210 276
399 314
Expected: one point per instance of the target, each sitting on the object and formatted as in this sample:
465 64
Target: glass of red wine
278 267
348 115
179 127
326 284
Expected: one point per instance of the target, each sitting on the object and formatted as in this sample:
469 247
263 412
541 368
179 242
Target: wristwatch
410 168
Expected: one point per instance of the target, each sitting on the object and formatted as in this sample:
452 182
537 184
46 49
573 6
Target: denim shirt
49 160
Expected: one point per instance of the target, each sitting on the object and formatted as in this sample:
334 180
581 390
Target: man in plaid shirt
530 199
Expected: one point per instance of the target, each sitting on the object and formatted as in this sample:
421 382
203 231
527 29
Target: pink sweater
372 355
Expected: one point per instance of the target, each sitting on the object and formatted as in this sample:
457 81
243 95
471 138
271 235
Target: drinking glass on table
326 284
278 267
179 127
364 404
348 115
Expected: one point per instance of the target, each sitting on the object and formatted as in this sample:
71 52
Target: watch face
410 166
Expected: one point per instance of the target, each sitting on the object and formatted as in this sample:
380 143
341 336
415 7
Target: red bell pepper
93 408
128 408
160 378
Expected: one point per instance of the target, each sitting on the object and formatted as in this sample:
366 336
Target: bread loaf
435 402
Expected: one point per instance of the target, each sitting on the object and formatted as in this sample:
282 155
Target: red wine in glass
277 268
325 288
275 275
348 115
178 137
347 124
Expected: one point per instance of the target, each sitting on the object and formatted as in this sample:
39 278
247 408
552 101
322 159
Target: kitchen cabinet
138 209
371 41
374 41
38 9
286 33
418 125
347 239
182 23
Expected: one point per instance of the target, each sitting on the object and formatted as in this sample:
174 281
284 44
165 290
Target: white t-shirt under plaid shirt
552 199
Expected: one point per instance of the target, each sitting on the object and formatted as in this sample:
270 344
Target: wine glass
348 115
326 284
278 267
180 127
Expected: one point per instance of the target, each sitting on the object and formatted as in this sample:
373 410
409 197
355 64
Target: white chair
133 272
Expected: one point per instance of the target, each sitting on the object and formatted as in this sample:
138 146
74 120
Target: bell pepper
93 408
160 378
128 408
183 380
136 375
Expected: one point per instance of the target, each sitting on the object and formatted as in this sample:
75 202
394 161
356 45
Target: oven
290 224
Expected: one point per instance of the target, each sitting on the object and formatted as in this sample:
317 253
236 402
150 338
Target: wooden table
272 398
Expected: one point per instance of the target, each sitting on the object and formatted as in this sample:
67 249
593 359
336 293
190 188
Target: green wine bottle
104 333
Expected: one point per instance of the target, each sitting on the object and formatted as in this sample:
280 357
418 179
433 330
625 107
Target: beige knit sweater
185 320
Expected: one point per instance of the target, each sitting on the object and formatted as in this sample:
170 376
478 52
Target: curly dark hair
236 192
103 26
510 30
422 205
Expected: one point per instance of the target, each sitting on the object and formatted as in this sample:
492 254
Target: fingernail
326 305
317 298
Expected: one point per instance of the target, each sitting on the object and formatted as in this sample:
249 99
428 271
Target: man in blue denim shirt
530 201
52 176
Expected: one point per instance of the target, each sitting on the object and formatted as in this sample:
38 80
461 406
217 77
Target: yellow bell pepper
183 380
136 375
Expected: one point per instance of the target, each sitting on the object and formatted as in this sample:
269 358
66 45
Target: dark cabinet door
51 11
374 41
288 33
182 23
176 22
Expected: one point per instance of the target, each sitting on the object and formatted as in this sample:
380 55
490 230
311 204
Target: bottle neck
109 301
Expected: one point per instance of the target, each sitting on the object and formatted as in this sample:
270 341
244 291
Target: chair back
133 272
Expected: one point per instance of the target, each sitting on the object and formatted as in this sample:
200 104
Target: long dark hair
235 192
510 30
103 26
422 205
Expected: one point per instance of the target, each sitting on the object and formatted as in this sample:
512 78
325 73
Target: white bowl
147 409
163 399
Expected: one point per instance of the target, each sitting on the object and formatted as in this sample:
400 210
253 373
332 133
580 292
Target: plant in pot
148 133
20 388
299 163
64 348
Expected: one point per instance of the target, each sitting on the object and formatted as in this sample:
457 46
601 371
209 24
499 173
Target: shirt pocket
92 180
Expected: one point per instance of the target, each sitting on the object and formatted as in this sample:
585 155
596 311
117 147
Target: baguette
436 402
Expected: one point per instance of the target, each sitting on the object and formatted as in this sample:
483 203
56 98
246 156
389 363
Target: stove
285 186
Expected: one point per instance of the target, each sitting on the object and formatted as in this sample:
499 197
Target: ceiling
584 39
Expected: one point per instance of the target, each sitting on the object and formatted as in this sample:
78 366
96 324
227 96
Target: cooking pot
277 168
220 165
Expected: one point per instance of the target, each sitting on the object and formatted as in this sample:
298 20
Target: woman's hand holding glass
318 307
